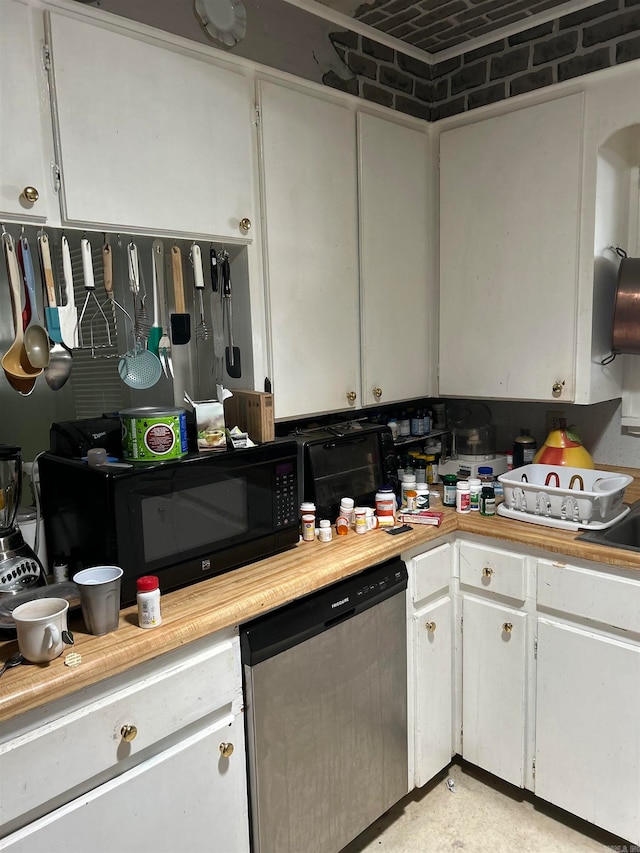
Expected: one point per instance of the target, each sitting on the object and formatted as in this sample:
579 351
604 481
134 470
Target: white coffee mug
39 625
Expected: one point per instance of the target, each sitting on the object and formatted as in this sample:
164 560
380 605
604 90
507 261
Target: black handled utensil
180 321
231 353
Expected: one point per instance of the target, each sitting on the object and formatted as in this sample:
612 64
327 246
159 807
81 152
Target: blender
20 568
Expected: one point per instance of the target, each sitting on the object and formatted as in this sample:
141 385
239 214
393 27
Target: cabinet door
149 138
493 688
509 224
189 797
397 293
24 116
587 732
310 205
433 645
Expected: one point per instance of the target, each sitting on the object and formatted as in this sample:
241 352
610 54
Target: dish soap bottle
524 448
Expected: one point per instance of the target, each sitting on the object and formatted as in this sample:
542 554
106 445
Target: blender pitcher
20 569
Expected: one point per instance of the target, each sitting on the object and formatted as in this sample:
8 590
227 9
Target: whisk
141 322
107 266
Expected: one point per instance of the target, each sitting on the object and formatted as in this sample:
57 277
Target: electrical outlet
555 419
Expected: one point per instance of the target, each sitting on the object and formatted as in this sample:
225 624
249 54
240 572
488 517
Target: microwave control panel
286 497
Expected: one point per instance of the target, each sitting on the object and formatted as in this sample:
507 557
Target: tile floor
484 815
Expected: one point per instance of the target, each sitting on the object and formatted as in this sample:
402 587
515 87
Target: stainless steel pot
626 316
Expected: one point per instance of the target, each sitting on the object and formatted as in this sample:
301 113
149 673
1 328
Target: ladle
36 340
60 358
20 373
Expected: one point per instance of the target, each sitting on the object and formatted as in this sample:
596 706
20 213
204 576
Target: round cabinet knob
351 396
507 627
557 388
487 572
245 224
128 733
226 750
431 627
31 194
377 393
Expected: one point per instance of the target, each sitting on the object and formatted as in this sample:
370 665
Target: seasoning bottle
422 496
463 496
488 501
325 534
524 448
386 506
475 487
449 489
148 599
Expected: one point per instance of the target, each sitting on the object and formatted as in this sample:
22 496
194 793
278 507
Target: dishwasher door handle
341 618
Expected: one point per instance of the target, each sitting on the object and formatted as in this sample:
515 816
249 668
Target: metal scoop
20 373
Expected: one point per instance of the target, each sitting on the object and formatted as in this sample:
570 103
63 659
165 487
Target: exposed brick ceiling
435 25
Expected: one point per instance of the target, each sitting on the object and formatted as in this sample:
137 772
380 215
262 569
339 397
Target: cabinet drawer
602 597
502 572
431 572
63 750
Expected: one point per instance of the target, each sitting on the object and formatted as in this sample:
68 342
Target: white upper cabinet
399 319
150 138
26 168
510 209
311 219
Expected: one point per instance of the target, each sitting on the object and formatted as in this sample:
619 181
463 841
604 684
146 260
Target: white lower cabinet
431 645
588 696
153 760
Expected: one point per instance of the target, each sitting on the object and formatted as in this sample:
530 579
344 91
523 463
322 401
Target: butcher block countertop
237 596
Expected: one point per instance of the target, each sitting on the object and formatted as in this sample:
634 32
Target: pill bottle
420 468
405 425
361 524
422 496
411 495
449 489
524 448
308 527
463 496
395 429
417 423
148 600
342 525
346 509
488 501
325 534
408 483
475 487
386 506
60 569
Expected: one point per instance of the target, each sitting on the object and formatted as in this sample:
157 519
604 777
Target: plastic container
308 527
408 484
463 496
422 496
325 534
360 523
342 525
148 600
404 425
395 429
60 569
488 501
475 487
524 448
449 489
386 506
346 509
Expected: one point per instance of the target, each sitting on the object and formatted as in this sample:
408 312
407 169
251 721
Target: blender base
469 468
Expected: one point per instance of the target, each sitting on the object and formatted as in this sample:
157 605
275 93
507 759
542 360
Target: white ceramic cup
99 589
39 625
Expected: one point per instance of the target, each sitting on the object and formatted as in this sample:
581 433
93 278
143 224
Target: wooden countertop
230 599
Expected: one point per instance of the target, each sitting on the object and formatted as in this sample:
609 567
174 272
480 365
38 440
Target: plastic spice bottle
386 506
148 598
463 496
449 489
475 487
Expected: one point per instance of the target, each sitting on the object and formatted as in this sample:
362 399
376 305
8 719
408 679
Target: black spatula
231 353
180 321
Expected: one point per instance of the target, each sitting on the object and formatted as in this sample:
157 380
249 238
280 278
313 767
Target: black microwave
352 459
183 520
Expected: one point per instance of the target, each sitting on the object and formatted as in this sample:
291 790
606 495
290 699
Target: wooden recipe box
252 411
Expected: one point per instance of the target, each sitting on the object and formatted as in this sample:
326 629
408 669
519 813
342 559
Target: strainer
138 367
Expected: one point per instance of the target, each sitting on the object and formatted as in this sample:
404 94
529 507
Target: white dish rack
559 496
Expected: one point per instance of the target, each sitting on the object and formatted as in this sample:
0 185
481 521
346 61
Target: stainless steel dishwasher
326 712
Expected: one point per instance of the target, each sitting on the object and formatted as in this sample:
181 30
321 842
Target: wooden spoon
20 373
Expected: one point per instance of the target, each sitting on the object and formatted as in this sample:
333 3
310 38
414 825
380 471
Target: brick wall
600 36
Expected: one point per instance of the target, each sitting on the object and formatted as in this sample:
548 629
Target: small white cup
99 588
39 625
